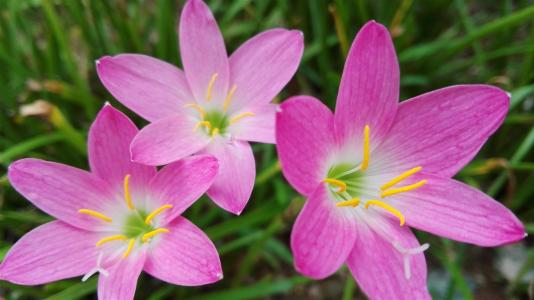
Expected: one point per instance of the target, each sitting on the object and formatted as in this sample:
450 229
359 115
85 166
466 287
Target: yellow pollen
129 249
110 239
365 161
206 124
95 214
387 207
196 107
214 132
403 189
127 195
210 87
352 202
400 178
153 233
241 116
156 212
340 184
229 98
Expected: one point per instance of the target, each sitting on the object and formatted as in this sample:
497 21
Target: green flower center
135 225
348 174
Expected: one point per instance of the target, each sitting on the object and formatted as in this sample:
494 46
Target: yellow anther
228 99
156 212
95 214
127 195
340 184
352 202
129 249
206 124
387 207
241 116
214 132
196 107
365 161
210 86
153 233
111 239
403 189
400 178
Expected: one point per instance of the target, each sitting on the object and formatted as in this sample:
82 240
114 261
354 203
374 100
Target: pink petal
182 183
184 256
323 235
109 149
50 252
454 210
233 184
258 128
167 140
203 51
61 190
444 129
263 65
304 140
150 87
378 266
369 89
122 279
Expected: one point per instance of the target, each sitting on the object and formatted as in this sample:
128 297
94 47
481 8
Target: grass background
49 95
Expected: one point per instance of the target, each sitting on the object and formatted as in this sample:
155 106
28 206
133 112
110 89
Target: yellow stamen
127 195
229 98
241 116
95 214
110 239
153 233
352 202
206 124
129 249
340 184
387 207
210 86
403 189
400 178
196 107
214 132
365 161
158 211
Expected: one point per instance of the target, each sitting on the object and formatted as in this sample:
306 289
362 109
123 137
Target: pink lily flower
375 167
217 105
117 220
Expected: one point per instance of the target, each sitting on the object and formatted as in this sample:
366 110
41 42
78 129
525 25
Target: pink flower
119 219
376 167
216 106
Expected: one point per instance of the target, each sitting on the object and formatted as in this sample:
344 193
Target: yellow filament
352 202
403 189
129 249
127 195
95 214
241 116
340 184
153 233
387 207
214 132
158 211
197 108
110 239
210 86
206 124
400 178
229 98
365 161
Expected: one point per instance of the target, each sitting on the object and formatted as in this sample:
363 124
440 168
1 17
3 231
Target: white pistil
406 253
97 269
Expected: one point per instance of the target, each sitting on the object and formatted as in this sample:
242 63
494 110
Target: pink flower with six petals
376 166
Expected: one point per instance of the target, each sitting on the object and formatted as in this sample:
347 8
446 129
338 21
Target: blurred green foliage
47 54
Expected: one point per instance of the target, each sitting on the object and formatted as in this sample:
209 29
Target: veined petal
122 279
181 183
184 256
150 87
258 128
263 65
167 140
369 88
323 236
454 210
50 252
304 140
203 51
